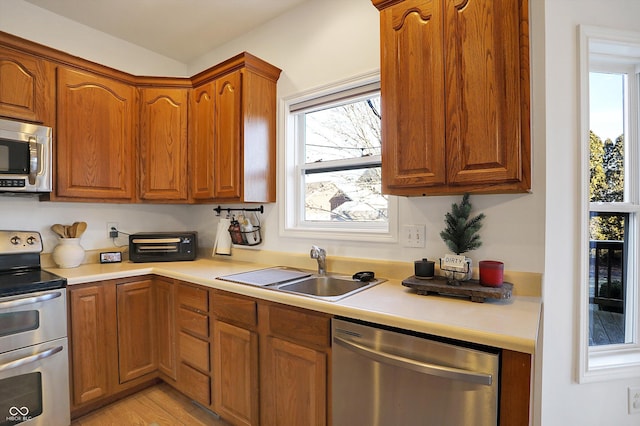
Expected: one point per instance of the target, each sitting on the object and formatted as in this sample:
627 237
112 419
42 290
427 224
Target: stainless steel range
34 363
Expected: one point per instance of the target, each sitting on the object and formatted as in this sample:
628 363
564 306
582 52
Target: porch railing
607 261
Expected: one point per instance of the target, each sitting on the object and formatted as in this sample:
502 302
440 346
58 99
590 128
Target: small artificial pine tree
461 233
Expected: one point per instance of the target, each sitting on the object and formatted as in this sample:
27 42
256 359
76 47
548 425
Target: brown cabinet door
296 385
227 155
92 338
487 115
166 327
201 114
163 144
235 372
412 76
95 137
27 89
136 330
455 91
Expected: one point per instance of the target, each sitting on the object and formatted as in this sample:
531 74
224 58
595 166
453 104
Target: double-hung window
333 163
610 292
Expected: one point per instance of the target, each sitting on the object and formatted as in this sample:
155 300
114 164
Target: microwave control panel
12 183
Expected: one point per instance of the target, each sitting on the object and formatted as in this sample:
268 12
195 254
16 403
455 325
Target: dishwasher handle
418 366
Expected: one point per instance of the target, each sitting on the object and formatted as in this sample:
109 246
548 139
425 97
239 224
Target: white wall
33 23
565 402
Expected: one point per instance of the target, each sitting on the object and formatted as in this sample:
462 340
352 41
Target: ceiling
179 29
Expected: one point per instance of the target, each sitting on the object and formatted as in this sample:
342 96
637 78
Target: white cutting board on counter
267 276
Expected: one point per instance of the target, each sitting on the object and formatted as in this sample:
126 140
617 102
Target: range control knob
15 240
32 240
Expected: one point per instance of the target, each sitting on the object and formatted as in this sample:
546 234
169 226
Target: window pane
345 131
345 196
606 138
607 278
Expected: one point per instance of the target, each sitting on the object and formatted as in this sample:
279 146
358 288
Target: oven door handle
31 358
29 300
415 365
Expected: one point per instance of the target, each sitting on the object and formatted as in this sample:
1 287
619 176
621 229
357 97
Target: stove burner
20 270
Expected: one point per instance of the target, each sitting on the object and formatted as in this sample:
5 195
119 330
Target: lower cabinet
93 350
235 358
113 344
251 361
194 366
294 362
137 355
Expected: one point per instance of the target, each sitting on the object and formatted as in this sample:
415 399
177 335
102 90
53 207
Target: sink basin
327 287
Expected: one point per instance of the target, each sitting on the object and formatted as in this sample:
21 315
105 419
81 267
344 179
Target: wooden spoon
59 230
82 226
72 230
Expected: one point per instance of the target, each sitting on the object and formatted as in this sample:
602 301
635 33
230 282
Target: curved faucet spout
321 256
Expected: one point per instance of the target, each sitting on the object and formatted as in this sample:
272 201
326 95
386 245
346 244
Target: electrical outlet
413 235
634 399
110 232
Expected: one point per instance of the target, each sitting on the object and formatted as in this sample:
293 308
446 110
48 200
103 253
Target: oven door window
20 398
18 322
14 157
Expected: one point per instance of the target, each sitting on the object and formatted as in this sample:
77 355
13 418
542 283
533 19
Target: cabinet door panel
227 153
201 141
27 89
413 148
163 144
487 113
136 330
235 368
92 315
95 137
165 327
297 385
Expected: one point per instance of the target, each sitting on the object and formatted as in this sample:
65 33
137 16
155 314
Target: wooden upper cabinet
163 144
227 142
95 137
455 90
233 132
413 148
201 141
27 90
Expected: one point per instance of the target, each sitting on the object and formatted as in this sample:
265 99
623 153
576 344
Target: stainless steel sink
327 287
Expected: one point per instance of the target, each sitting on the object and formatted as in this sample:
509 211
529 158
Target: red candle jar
491 273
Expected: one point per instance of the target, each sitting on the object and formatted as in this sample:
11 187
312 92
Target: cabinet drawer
302 326
193 297
193 322
195 384
235 308
194 351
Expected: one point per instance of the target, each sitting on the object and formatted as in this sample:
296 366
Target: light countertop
510 324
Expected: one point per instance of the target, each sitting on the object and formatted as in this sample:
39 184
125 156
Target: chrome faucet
321 256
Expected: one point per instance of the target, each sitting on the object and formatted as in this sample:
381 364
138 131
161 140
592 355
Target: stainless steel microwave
25 157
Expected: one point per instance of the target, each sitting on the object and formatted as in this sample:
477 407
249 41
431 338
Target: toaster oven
163 246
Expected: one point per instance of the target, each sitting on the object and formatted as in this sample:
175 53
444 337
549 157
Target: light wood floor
155 406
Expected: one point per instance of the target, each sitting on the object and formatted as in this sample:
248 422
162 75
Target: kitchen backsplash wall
27 213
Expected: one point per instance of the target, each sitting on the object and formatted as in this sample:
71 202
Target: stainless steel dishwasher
388 377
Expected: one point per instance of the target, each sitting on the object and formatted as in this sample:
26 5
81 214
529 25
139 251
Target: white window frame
597 363
292 159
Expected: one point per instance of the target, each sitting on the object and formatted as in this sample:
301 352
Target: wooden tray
471 288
